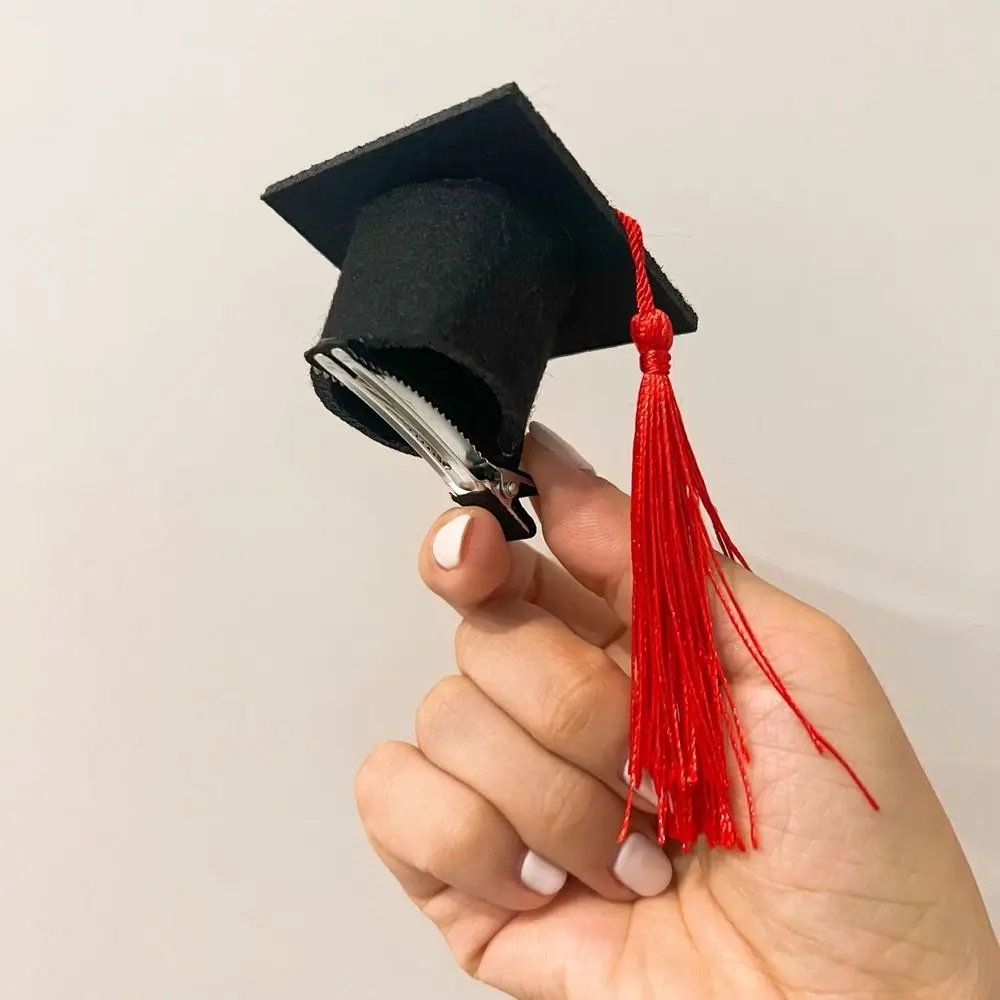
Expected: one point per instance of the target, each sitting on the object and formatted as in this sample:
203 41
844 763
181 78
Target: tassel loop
652 331
653 335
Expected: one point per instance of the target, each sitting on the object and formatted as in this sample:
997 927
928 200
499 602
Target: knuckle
567 807
375 775
462 845
571 709
441 708
492 630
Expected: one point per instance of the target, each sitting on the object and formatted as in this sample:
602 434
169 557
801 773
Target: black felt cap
473 249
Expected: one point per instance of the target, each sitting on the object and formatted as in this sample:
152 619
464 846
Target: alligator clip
472 480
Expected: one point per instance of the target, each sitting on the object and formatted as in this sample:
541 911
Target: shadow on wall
944 682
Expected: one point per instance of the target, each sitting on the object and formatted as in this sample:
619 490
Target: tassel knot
652 332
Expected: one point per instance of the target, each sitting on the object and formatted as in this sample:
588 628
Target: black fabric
458 290
473 248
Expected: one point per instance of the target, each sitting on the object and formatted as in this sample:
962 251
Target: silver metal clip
472 480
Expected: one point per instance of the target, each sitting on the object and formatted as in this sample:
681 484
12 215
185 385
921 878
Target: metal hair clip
472 480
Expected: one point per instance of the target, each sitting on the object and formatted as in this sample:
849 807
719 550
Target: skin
524 746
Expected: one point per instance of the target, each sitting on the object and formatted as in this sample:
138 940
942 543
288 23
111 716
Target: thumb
584 519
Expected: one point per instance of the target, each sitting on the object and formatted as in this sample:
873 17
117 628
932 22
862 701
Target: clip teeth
422 407
471 478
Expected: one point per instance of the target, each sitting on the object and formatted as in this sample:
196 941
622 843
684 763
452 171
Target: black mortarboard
473 248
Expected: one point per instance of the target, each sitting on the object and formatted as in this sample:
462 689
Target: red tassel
683 724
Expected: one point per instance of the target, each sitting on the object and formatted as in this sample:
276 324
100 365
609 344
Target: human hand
516 780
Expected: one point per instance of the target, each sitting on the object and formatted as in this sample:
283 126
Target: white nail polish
541 876
551 441
642 866
447 545
646 790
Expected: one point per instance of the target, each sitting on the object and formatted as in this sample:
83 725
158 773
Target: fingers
585 523
433 832
559 811
466 561
584 519
565 693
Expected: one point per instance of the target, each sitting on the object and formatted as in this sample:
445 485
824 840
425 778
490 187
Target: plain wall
208 603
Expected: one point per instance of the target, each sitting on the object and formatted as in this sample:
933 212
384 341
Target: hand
516 780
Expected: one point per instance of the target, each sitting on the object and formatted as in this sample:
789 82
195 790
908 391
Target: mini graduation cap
473 249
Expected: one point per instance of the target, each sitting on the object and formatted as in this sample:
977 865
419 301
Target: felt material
466 290
457 290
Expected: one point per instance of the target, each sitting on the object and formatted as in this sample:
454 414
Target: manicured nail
541 876
447 545
642 867
646 790
551 441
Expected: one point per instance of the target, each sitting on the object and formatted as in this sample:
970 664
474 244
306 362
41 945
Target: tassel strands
684 727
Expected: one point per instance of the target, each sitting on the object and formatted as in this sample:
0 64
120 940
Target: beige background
209 609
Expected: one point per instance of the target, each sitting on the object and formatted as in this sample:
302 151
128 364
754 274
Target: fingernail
642 867
551 441
646 790
541 876
447 545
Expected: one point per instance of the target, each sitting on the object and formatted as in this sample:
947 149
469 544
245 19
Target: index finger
465 560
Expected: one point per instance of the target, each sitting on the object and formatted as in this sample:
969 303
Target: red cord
683 722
